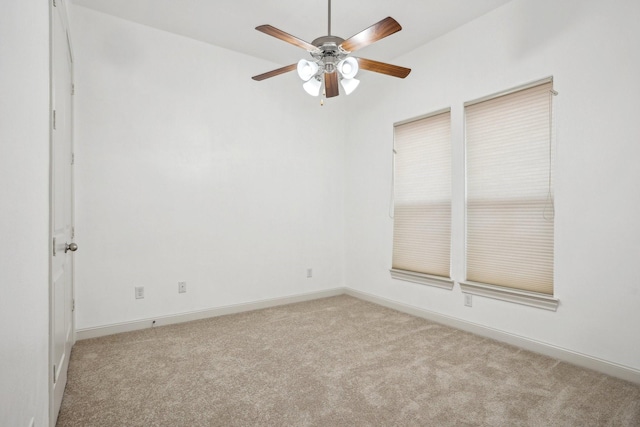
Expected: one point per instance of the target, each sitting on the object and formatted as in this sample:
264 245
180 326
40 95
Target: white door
61 286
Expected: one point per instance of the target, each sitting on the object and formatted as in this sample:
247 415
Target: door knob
70 247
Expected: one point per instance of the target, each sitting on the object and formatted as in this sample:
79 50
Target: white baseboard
583 360
116 328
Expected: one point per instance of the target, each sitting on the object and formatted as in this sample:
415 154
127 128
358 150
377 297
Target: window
422 200
509 201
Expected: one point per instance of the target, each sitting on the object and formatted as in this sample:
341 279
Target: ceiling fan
331 62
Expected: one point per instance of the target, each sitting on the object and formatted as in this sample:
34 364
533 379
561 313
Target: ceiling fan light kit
331 62
312 72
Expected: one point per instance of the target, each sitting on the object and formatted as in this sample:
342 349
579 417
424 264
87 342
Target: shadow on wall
543 21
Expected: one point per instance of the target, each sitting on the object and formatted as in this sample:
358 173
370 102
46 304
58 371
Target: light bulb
306 69
348 67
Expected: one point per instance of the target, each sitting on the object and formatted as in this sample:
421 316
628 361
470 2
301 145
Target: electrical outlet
139 292
467 300
309 273
182 287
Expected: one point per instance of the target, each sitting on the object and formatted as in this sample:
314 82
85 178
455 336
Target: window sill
423 279
532 299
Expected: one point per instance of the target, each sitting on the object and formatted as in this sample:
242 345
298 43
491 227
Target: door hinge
54 246
73 232
73 158
54 119
73 89
73 304
54 3
54 374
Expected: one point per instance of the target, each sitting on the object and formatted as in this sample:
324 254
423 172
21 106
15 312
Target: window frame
414 276
504 293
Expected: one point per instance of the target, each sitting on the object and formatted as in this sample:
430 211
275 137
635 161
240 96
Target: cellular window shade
509 206
422 196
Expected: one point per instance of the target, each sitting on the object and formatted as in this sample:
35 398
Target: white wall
167 191
592 49
188 170
24 192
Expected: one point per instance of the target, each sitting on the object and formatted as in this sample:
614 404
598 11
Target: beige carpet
337 361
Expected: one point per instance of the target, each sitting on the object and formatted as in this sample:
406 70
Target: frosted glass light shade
348 67
349 85
312 87
307 69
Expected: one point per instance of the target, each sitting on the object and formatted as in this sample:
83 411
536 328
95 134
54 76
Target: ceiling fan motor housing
320 41
329 53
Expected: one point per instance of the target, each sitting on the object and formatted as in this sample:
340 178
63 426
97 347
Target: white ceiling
231 23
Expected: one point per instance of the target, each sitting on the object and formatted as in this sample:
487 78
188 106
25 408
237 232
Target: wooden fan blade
384 68
279 34
274 73
331 84
378 31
